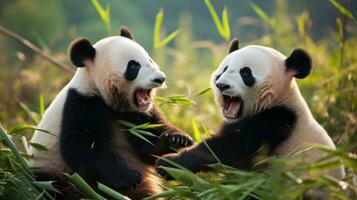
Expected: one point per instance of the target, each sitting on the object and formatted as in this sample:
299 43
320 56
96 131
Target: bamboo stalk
33 48
8 142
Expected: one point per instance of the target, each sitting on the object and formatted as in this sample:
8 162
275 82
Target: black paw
129 180
163 173
176 140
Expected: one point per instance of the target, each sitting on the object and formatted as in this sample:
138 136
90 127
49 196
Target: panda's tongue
143 97
232 108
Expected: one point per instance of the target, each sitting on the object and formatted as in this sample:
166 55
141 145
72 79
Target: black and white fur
262 105
115 80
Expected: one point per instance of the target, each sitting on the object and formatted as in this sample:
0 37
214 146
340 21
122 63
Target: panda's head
121 71
254 78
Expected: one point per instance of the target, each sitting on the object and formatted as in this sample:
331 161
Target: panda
115 80
262 107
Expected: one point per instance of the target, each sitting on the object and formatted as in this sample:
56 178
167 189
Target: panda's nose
223 86
160 80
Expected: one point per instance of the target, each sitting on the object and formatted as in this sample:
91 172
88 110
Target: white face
249 80
124 73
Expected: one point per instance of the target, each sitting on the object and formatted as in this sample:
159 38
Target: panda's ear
300 62
126 32
233 45
80 50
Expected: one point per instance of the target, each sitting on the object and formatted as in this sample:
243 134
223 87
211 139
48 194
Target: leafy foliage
330 92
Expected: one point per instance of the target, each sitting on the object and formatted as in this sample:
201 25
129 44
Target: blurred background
28 82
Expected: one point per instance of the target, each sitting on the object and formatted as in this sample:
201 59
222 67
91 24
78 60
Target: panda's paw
176 140
130 179
161 163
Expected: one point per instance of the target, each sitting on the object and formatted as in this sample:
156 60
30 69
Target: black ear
125 32
233 45
300 62
79 50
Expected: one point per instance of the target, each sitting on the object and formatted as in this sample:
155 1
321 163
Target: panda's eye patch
247 76
132 70
219 75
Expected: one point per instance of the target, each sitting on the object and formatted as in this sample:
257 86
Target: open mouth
232 107
142 98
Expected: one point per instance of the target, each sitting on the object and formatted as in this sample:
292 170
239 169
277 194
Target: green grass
331 92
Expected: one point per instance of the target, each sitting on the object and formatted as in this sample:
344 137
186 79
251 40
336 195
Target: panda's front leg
170 137
174 140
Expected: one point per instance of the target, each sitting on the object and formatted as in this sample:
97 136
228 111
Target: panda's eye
247 76
132 70
133 65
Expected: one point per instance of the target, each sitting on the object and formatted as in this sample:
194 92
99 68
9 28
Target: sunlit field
32 74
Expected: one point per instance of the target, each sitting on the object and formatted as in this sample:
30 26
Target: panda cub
262 105
115 80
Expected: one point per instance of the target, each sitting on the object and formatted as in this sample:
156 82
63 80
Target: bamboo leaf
150 126
168 39
178 99
146 133
165 193
134 132
21 127
25 144
157 28
340 31
103 14
33 115
262 15
8 142
140 126
126 123
196 131
214 16
112 193
203 92
227 31
186 177
83 186
211 151
41 104
46 185
38 146
222 27
343 10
